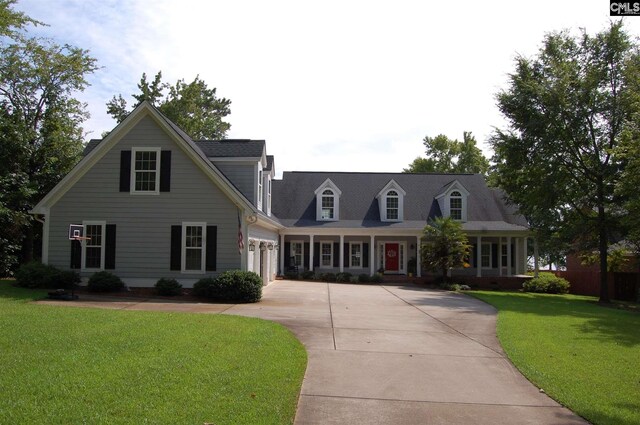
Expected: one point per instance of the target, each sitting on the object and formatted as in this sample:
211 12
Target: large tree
444 245
40 129
194 107
444 155
567 109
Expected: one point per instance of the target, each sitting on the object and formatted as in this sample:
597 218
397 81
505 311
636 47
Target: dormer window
455 205
328 201
392 205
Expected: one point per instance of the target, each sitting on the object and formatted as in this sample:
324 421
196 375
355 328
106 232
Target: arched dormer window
392 205
328 201
328 205
455 205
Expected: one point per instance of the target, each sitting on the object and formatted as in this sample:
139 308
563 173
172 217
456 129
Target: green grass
92 366
585 356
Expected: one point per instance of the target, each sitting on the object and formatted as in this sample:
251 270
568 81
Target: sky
330 85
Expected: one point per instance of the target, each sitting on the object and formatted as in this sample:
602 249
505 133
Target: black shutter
287 255
316 254
345 255
212 244
475 255
76 255
110 247
125 171
305 260
513 256
336 254
494 255
176 248
365 255
165 171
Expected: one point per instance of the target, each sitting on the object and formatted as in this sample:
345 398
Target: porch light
270 246
252 245
277 247
263 246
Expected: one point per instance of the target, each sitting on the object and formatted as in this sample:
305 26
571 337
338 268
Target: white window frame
504 253
332 195
351 245
328 185
383 196
183 247
387 197
133 190
322 244
301 243
460 197
269 196
103 224
260 177
482 255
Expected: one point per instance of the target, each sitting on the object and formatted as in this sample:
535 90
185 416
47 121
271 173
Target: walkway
390 354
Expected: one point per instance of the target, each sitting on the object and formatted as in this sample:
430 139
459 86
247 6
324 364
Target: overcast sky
330 85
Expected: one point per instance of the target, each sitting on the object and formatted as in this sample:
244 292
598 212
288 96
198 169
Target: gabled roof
328 184
294 199
391 185
450 187
242 148
97 148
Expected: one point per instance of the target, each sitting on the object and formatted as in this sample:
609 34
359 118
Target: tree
567 110
450 156
11 21
444 245
193 107
40 130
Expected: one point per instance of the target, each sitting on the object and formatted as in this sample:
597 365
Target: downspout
45 236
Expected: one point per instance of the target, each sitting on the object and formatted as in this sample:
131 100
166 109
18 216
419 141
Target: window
485 256
326 254
455 205
146 171
193 247
392 205
355 255
94 247
327 205
259 189
297 253
269 197
505 261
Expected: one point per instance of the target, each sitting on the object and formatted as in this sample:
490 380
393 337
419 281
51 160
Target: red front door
391 257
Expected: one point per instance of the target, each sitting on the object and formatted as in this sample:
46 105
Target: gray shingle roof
269 163
294 201
92 144
243 148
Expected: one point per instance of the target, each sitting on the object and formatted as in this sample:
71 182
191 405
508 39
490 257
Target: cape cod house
153 203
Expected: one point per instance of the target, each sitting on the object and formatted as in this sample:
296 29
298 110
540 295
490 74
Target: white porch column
310 252
516 245
341 251
479 256
281 254
418 256
372 256
509 265
500 256
536 264
525 256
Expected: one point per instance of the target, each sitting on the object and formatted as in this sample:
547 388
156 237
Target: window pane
193 237
93 249
327 206
356 255
193 259
145 171
94 254
326 254
486 255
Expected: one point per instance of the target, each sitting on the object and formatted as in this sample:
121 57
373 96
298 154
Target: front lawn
585 356
75 365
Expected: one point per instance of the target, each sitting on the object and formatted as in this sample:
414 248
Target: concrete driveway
392 354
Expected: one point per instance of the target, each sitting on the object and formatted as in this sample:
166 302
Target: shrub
547 283
291 276
308 275
353 279
202 287
168 287
236 285
364 278
37 275
104 282
376 278
343 277
328 277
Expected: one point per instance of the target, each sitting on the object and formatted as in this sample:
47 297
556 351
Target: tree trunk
603 246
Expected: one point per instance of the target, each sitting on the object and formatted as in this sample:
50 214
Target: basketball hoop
76 233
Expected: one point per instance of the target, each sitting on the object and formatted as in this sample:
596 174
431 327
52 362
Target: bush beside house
547 283
104 282
233 285
37 275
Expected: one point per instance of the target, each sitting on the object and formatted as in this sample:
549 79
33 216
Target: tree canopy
194 107
40 127
444 155
444 245
568 109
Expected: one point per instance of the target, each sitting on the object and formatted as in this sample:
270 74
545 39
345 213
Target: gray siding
143 234
242 176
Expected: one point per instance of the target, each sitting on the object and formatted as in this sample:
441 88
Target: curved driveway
389 354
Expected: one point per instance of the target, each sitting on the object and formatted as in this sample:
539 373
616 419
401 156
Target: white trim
328 185
260 187
301 242
382 201
269 195
103 236
132 178
490 266
183 247
351 266
321 265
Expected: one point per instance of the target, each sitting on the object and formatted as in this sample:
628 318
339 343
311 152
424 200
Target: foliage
291 276
554 341
364 278
343 277
104 282
231 286
450 156
616 259
193 107
328 277
12 22
547 283
34 274
568 110
627 187
308 275
132 367
168 287
444 245
412 265
376 278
